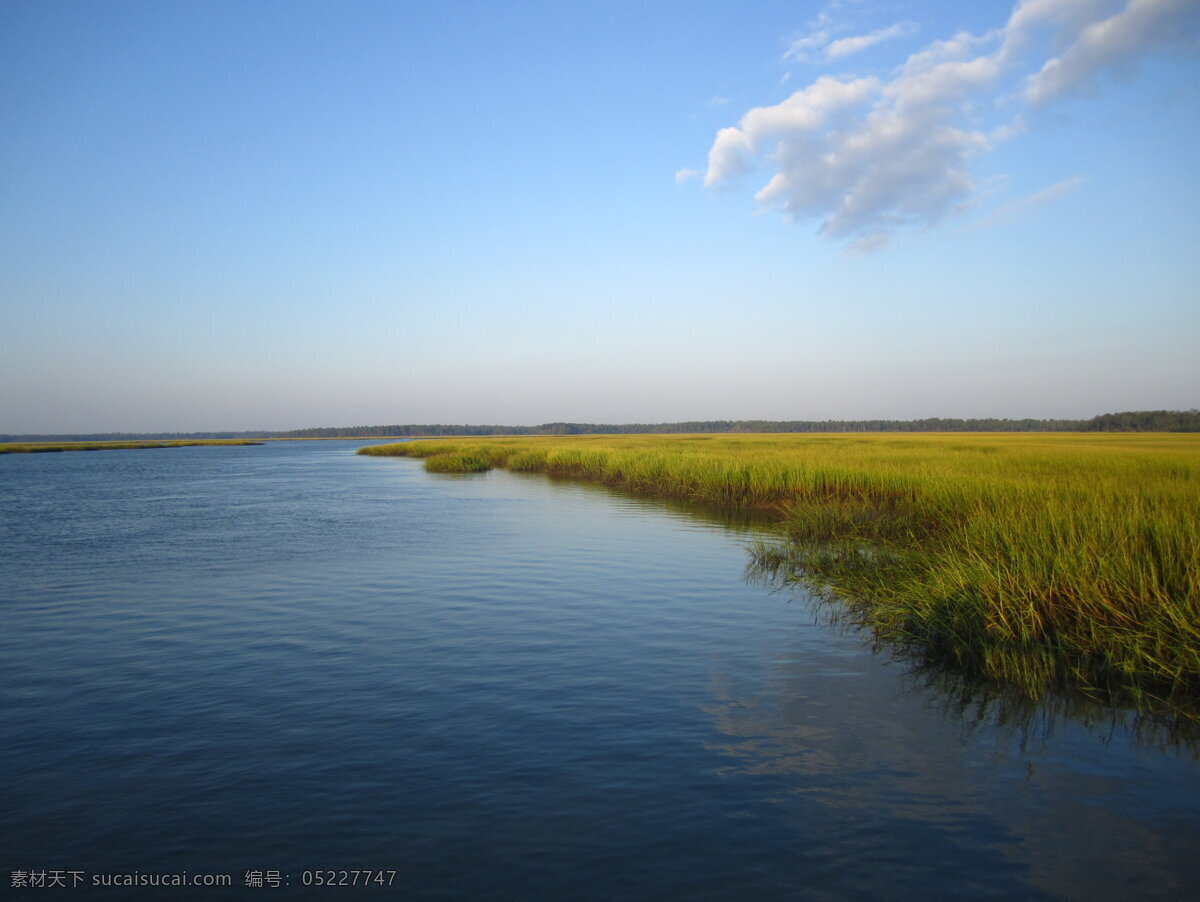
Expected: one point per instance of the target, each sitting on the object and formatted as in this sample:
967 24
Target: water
288 659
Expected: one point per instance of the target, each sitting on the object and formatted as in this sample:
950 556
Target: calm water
288 658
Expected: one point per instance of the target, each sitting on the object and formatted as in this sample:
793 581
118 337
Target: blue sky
243 215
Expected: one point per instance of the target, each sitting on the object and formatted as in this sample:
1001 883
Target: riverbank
1038 560
46 447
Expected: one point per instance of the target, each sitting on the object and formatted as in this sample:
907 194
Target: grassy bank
1036 559
41 447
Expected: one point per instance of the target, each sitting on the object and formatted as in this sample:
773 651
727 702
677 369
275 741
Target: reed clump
457 463
1037 559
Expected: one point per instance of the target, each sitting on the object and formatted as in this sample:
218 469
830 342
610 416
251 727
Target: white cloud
1069 17
868 243
728 157
819 42
803 48
1015 208
804 112
869 155
820 31
846 46
865 156
684 175
1107 44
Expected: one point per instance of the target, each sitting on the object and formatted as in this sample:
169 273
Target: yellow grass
1035 558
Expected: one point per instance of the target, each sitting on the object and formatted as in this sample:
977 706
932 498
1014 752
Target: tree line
1146 421
1127 421
1130 421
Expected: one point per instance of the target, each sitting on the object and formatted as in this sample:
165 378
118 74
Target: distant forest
1129 421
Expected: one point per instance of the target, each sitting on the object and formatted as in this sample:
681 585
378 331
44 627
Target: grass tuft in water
457 463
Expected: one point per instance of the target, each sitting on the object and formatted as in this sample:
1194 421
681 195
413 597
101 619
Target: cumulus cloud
803 114
683 175
1109 43
869 155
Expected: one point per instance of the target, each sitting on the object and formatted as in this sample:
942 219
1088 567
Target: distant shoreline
1126 421
52 447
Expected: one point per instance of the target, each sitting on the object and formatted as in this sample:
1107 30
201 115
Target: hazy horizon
497 424
226 216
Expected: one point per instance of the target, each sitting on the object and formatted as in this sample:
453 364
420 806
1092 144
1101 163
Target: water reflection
971 703
976 704
764 520
992 800
883 762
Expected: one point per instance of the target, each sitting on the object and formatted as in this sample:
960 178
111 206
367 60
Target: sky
277 214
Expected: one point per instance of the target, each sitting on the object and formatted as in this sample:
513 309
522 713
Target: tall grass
1036 559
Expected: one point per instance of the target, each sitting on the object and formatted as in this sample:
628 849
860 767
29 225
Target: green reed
1036 559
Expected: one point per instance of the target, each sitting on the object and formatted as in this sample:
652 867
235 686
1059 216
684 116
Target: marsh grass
45 447
1036 559
457 463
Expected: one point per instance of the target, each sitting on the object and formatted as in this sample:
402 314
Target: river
285 662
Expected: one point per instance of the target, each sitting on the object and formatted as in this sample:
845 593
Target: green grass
457 463
1036 559
42 447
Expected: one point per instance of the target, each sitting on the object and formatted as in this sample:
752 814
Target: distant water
287 660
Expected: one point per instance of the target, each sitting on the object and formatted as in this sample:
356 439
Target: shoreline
1038 560
54 447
